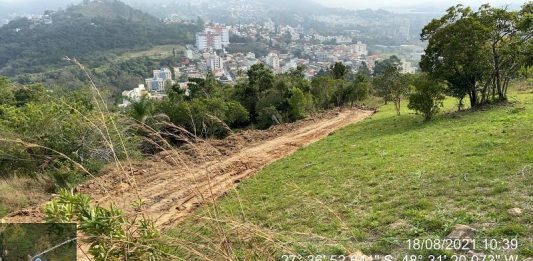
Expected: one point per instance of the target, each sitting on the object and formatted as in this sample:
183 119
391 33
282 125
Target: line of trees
211 109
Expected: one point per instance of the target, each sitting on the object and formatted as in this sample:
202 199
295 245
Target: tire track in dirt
170 192
184 190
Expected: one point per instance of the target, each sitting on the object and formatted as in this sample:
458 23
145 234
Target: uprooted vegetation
62 137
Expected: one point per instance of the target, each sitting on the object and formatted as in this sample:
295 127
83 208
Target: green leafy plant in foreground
111 234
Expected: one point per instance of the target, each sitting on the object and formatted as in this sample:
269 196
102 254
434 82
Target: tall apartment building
213 37
407 67
360 49
208 40
214 62
164 74
272 60
222 30
157 83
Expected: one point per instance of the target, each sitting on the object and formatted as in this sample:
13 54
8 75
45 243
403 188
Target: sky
434 5
375 4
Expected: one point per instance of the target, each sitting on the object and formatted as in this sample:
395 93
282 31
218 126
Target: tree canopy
477 53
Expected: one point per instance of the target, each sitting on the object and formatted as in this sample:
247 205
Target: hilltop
110 9
82 31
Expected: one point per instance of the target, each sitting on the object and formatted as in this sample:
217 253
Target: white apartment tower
214 62
359 49
213 37
272 60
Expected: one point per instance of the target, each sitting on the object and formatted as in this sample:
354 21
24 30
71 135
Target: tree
322 91
364 70
142 108
509 33
268 116
457 52
208 87
381 66
248 92
260 76
359 89
399 89
338 70
6 92
392 85
297 104
478 53
427 97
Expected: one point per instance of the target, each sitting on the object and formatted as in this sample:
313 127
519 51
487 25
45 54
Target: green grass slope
373 185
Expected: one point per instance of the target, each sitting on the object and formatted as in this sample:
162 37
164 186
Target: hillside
373 185
111 9
82 31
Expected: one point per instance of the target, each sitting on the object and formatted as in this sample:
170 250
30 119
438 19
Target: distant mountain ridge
84 30
110 9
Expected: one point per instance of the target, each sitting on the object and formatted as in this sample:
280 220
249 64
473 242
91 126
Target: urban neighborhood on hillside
317 53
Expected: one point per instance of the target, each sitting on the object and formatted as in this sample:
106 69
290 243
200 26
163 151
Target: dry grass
19 192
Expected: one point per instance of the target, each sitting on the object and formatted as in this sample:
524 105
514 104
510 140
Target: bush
427 97
297 104
44 133
268 116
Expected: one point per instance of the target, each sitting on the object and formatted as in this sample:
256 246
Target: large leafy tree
457 52
477 53
509 34
260 79
381 66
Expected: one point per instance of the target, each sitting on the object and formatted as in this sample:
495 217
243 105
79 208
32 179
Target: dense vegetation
211 109
116 74
59 133
89 31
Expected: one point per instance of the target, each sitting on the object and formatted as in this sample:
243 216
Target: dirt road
174 185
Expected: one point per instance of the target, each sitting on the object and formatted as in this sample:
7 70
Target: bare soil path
173 185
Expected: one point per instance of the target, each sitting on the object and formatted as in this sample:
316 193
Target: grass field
156 52
373 185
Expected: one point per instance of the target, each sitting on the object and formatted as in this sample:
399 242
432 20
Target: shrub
427 97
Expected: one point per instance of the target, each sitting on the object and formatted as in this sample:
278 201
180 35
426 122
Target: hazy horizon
12 5
438 4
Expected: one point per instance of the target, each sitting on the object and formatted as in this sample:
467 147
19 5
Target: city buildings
214 37
155 85
407 67
134 95
160 79
208 40
221 30
272 60
359 49
299 47
214 62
